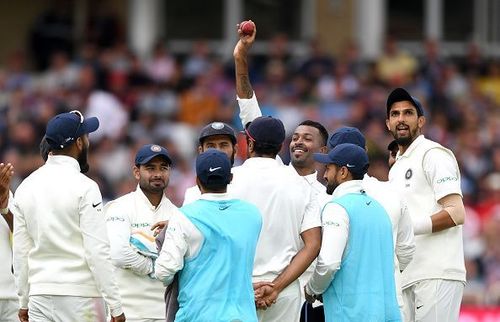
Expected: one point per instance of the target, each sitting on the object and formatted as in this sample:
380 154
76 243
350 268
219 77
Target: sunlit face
404 122
153 176
306 140
332 176
222 143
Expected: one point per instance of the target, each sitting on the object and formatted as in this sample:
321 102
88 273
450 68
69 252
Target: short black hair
322 130
265 148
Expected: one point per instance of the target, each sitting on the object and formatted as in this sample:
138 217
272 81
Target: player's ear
421 122
323 149
136 172
200 149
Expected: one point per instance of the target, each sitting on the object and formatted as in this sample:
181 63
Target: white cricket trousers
287 306
434 300
53 308
9 310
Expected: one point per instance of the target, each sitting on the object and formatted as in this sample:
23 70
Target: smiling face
306 140
153 176
404 123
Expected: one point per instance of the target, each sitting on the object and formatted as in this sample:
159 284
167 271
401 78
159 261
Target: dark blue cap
213 167
401 94
346 134
217 128
349 155
63 129
149 151
266 130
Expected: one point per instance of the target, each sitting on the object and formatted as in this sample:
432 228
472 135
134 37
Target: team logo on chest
408 174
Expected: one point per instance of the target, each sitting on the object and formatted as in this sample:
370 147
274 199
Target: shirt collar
215 196
412 147
63 160
352 186
260 162
145 199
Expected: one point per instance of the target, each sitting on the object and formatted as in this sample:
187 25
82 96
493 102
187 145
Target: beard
82 160
405 140
331 187
149 187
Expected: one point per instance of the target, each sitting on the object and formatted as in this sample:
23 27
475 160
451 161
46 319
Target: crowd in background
167 98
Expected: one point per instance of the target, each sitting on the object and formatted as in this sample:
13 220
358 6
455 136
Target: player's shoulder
123 202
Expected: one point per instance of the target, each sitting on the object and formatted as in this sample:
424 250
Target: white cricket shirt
7 284
287 206
425 173
61 245
142 296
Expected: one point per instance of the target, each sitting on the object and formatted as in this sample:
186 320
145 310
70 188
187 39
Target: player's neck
154 198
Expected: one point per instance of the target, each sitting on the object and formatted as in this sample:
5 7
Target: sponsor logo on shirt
331 223
140 224
115 219
447 179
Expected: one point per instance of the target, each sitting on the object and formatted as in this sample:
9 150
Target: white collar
215 196
63 160
351 186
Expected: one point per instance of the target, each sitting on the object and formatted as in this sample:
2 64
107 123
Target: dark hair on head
266 148
360 176
214 186
322 130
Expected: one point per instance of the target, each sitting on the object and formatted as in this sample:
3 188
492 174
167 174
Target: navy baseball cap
217 128
349 155
149 151
63 129
346 134
401 94
213 167
266 130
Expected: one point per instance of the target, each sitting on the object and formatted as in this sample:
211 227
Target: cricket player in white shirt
355 268
393 202
8 297
290 236
428 175
129 220
62 262
216 135
308 137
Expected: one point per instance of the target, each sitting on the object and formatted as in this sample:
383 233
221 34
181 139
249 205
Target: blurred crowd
166 99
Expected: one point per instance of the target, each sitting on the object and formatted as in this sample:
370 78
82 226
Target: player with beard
219 136
61 248
428 175
355 267
133 250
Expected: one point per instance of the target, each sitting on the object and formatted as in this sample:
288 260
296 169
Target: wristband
4 211
422 225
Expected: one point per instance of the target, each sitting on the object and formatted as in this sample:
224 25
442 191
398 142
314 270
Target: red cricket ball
247 27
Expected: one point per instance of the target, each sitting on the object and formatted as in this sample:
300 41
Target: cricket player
355 267
8 297
291 235
62 262
133 250
393 202
216 135
428 175
211 243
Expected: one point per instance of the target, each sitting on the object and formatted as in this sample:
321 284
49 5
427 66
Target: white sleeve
441 170
191 194
249 109
182 240
21 248
96 247
405 239
333 243
122 255
312 214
